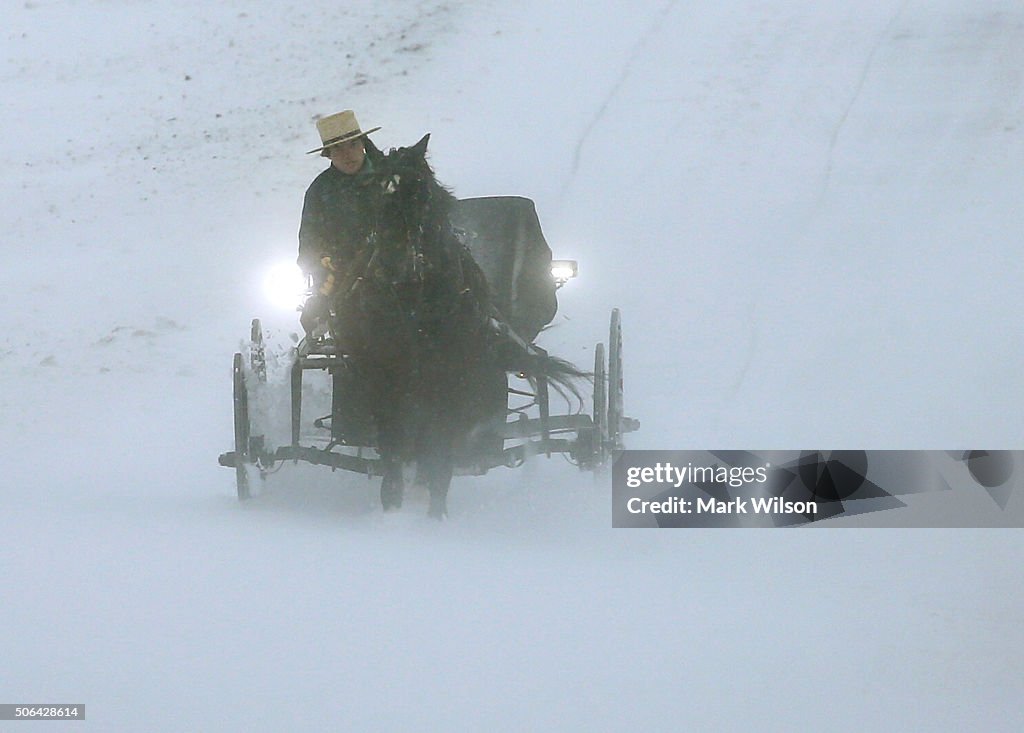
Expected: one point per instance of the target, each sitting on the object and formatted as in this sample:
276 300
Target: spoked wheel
258 352
257 371
241 409
615 413
600 437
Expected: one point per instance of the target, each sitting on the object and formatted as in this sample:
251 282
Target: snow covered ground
805 211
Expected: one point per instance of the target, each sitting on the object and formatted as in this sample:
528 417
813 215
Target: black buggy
504 236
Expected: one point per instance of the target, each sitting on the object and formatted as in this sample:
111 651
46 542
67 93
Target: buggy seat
504 236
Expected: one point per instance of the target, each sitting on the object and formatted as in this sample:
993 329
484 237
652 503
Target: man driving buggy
337 220
335 211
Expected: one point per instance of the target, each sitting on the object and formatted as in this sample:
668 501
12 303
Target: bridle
419 265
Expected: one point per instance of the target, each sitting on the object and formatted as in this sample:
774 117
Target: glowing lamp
285 286
563 271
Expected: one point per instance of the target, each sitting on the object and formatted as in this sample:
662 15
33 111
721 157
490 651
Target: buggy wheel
258 352
615 412
599 454
241 410
257 370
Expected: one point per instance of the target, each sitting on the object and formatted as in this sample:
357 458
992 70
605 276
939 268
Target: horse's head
406 189
411 232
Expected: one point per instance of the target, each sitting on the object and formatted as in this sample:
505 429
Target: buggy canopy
504 236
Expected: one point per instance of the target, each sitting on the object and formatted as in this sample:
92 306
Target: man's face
348 157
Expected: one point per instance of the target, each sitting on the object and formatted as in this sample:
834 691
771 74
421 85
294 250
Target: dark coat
335 216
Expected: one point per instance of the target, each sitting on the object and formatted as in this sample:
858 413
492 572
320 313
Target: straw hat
337 129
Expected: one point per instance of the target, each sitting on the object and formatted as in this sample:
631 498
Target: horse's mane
411 165
414 207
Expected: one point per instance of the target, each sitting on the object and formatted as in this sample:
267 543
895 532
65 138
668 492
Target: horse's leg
390 445
437 463
391 486
433 453
439 493
435 418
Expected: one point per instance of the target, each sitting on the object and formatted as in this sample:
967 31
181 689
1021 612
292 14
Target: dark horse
415 312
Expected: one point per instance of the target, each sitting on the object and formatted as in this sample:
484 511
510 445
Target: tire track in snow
753 341
886 32
858 88
634 54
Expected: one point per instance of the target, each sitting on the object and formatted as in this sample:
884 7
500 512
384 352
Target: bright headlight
563 270
285 285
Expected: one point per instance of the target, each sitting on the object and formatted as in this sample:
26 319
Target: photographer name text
676 505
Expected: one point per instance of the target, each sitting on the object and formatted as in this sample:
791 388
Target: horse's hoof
391 496
438 509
